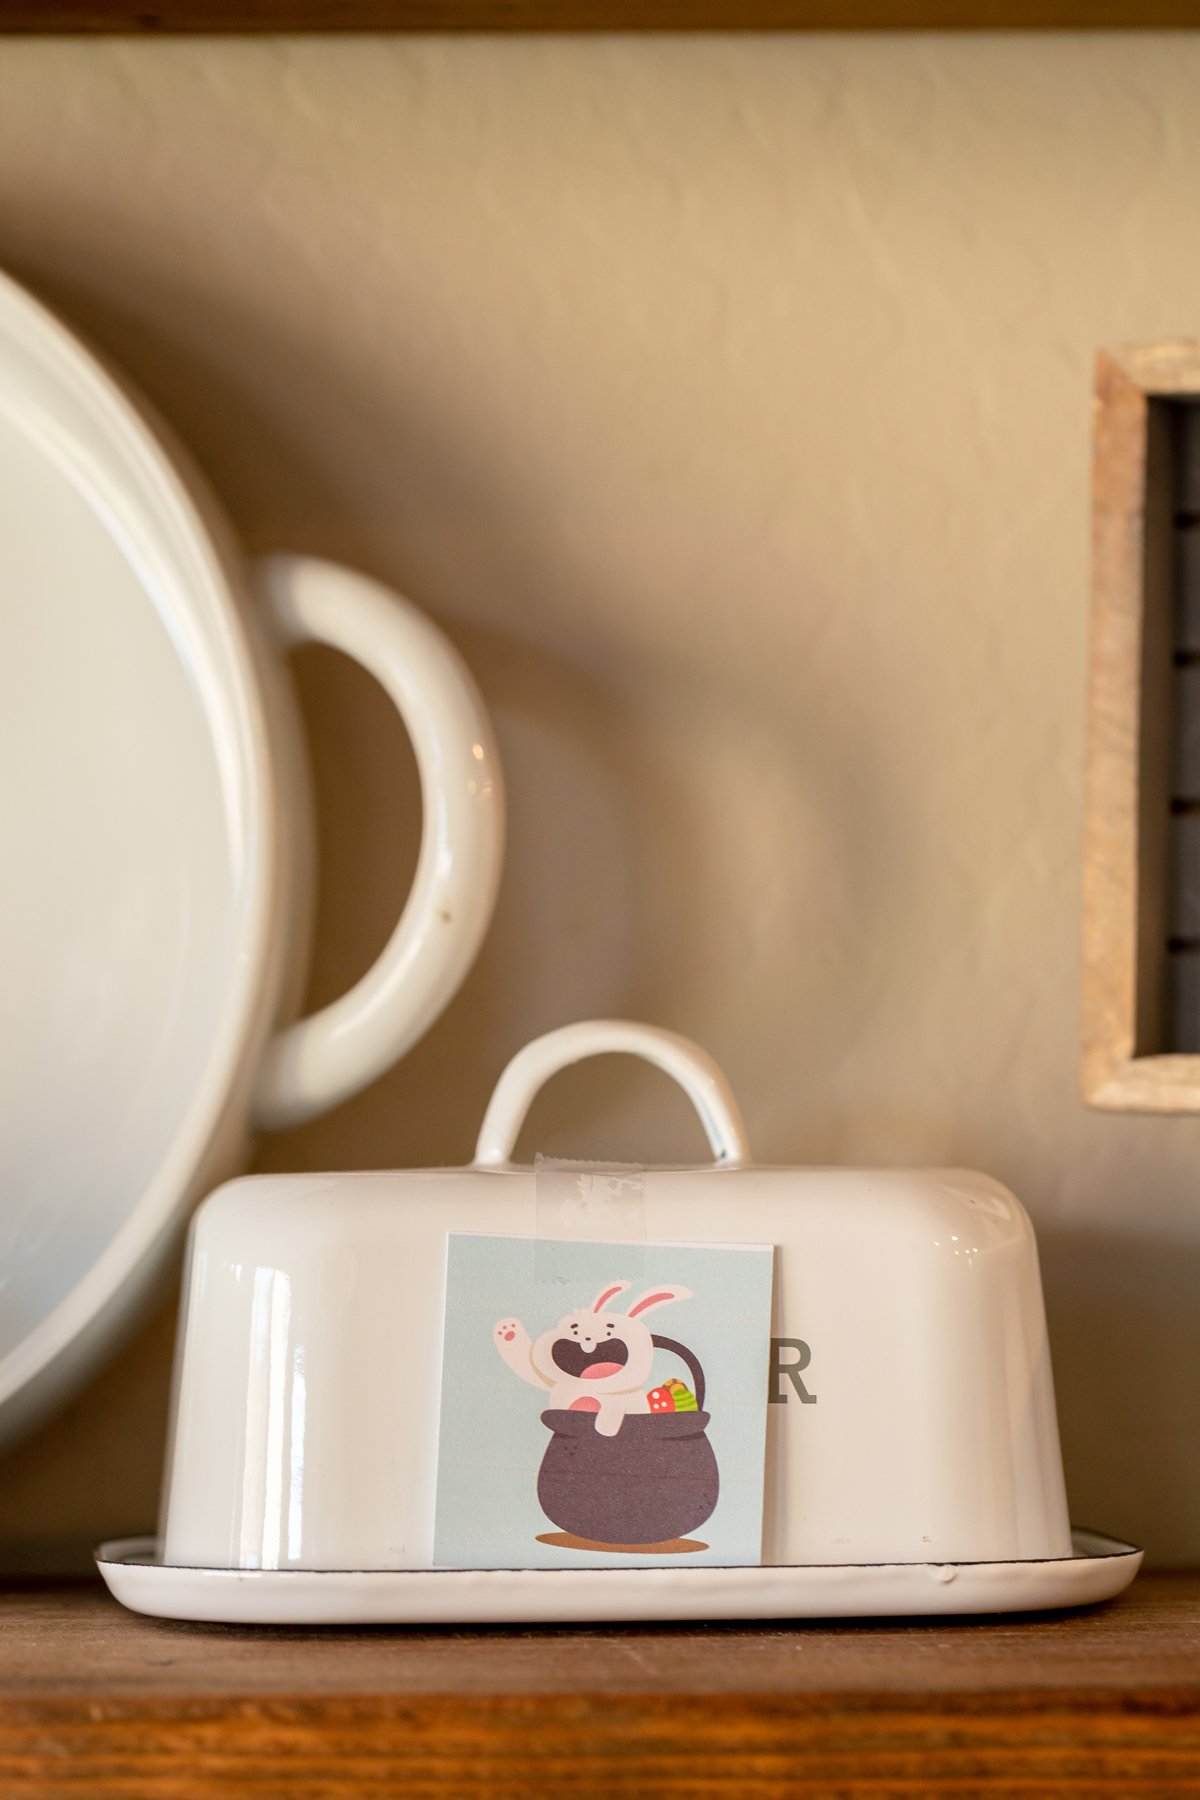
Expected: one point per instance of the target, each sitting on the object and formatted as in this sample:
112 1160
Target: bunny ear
658 1297
609 1293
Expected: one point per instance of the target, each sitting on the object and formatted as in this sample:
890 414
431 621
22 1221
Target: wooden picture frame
1126 925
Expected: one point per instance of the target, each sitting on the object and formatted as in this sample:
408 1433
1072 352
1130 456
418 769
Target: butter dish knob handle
694 1070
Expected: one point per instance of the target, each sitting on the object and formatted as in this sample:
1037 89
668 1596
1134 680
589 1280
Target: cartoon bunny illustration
593 1360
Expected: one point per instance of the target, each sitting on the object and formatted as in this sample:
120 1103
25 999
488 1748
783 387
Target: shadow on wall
638 882
1125 1339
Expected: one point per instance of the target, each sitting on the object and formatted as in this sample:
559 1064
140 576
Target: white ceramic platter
154 817
1100 1568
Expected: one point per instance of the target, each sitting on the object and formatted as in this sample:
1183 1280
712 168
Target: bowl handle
689 1359
694 1070
316 1062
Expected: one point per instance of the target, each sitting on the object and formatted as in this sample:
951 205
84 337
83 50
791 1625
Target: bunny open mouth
608 1358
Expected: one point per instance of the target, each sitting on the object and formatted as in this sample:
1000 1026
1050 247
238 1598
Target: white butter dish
912 1460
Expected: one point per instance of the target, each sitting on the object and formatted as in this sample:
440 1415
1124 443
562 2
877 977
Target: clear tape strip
587 1202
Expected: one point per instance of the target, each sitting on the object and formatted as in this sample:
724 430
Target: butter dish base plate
1099 1569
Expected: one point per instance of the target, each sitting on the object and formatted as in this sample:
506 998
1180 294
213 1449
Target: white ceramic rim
143 1553
1098 1570
142 451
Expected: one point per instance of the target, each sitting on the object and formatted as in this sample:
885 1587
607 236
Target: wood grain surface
97 1701
593 15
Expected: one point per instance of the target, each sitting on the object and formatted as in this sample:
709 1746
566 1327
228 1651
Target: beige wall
728 403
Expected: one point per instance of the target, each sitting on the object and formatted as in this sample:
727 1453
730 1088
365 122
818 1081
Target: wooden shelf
594 15
97 1702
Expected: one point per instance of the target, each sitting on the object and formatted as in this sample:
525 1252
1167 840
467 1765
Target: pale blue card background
492 1438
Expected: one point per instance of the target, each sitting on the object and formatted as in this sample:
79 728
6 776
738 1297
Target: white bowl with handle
155 818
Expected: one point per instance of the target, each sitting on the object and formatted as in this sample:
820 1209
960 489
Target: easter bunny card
602 1403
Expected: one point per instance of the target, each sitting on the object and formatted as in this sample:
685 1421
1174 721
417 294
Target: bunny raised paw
512 1341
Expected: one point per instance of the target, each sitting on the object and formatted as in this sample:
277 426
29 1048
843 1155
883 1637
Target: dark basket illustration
653 1482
